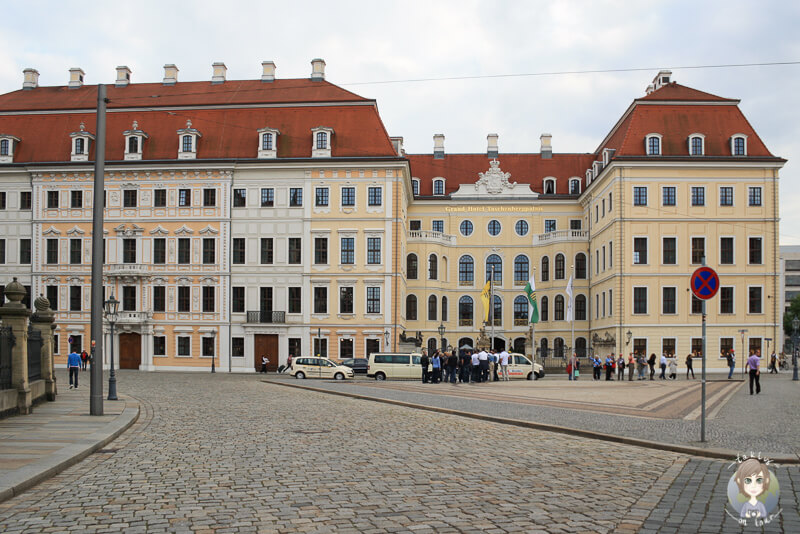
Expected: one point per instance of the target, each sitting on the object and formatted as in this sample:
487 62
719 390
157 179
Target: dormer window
321 142
589 176
608 153
549 186
697 144
81 141
415 186
575 186
597 168
134 142
739 145
7 148
268 143
188 138
438 187
653 144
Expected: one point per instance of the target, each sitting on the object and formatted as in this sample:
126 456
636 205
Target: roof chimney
317 70
220 70
397 142
438 146
31 79
662 78
492 149
269 71
170 74
547 149
650 89
76 77
123 76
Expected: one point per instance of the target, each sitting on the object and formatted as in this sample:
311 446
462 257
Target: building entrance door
266 345
130 351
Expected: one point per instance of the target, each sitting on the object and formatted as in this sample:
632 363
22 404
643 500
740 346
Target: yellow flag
485 295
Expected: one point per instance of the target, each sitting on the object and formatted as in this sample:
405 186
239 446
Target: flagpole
533 336
572 307
491 309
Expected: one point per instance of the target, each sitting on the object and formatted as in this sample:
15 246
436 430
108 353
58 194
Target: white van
383 365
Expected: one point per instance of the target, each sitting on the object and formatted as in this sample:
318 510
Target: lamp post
441 335
110 307
795 326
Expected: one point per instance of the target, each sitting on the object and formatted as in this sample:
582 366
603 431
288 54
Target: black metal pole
794 356
213 359
112 377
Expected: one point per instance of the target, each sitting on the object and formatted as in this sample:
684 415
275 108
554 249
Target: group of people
467 367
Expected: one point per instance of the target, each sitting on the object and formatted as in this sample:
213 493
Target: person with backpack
731 357
84 359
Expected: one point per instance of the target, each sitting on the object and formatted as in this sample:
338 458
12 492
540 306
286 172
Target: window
739 146
184 250
438 187
184 346
295 197
183 299
609 203
80 145
184 197
560 267
321 196
433 267
558 308
432 302
726 250
725 346
267 197
186 143
580 308
320 299
668 295
444 309
669 254
159 251
754 252
466 271
496 316
52 200
25 200
237 299
754 300
698 250
348 251
550 187
545 268
266 141
754 196
521 270
210 198
653 145
698 196
295 251
726 299
466 228
411 266
160 198
520 311
414 225
640 196
238 250
544 309
640 251
24 251
75 252
640 300
267 250
128 251
321 347
411 308
295 301
322 140
74 298
373 250
129 198
76 199
574 187
346 300
696 145
348 196
494 264
4 147
465 309
726 196
320 250
415 187
129 298
580 266
521 228
494 227
209 250
159 299
374 196
549 225
265 300
239 198
159 346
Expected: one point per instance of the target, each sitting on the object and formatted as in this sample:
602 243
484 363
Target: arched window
520 311
544 352
580 266
519 345
322 140
433 267
266 141
432 344
545 268
497 312
558 308
465 311
739 145
466 271
575 186
444 309
411 266
465 342
411 307
558 347
438 187
580 347
415 187
696 145
133 145
544 310
4 144
549 187
521 270
187 143
79 145
431 308
580 307
653 145
559 268
494 262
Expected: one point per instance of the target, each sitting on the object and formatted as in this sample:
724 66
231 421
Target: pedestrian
483 358
773 363
84 359
642 367
596 366
452 365
424 361
436 367
673 367
288 363
74 364
466 366
663 366
652 363
689 368
631 366
620 367
476 367
495 365
575 367
503 357
755 374
610 367
731 357
264 362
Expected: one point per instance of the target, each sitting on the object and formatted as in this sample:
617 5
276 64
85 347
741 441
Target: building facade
276 217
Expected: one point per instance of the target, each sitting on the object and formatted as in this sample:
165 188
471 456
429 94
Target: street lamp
795 326
110 307
441 334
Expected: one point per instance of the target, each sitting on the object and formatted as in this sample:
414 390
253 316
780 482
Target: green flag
530 289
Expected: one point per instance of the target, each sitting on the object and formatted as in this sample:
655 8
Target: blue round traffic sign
704 283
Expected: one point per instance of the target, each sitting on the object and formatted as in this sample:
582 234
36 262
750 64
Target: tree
790 314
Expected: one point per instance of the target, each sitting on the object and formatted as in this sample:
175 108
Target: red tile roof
675 91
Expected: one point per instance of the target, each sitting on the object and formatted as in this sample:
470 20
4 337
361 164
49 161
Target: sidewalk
57 435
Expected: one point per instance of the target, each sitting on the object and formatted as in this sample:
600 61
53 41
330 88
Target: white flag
569 300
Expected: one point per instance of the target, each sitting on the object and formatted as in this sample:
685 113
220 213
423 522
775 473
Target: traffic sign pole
704 284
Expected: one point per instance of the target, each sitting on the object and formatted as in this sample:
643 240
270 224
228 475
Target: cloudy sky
368 43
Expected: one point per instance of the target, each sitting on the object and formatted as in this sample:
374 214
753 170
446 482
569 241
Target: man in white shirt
483 372
663 365
476 374
504 364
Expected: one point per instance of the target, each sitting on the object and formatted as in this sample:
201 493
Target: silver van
383 365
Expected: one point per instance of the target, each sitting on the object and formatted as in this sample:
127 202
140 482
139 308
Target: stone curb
716 453
31 475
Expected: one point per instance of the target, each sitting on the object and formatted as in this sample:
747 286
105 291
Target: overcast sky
376 41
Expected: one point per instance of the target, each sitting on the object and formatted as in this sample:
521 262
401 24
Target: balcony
429 236
134 317
125 269
561 236
266 317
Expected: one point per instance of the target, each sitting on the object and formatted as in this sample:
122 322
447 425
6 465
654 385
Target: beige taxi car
519 366
315 367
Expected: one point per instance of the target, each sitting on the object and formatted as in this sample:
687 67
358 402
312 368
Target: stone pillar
15 315
42 320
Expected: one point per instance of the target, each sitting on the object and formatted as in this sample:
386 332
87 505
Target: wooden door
266 344
130 351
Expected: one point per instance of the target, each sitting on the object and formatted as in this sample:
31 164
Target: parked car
358 365
313 367
519 366
383 365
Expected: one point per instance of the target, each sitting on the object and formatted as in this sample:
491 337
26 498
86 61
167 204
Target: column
43 320
15 315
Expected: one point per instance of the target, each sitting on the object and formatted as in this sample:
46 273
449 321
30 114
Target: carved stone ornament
494 179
